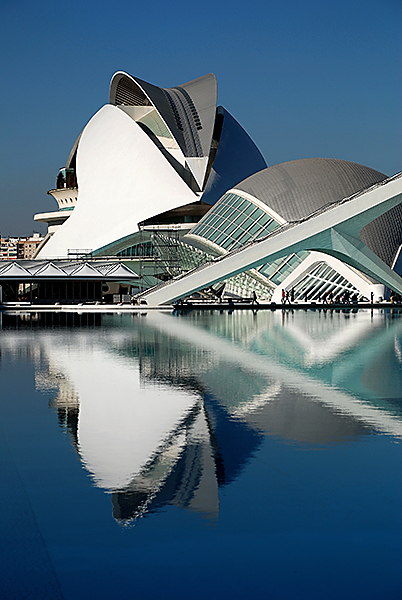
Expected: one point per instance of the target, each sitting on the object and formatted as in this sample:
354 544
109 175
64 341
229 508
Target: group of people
395 298
288 297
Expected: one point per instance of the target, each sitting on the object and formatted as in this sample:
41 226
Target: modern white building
169 181
150 156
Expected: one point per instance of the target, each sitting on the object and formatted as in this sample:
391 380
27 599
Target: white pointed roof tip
122 270
69 268
85 270
3 267
33 269
203 91
198 166
211 76
14 270
50 270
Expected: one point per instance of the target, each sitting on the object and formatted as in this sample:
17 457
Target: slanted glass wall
141 249
279 269
233 222
321 283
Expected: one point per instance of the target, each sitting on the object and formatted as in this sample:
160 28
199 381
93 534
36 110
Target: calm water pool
201 455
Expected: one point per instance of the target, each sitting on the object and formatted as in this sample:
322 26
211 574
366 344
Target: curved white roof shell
123 179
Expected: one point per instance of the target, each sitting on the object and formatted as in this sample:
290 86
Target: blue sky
304 78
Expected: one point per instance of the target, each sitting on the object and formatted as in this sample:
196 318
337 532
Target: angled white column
335 231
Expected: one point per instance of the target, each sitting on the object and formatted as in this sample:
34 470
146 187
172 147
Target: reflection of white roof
122 423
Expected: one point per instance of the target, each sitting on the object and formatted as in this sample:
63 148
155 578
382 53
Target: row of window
142 249
233 222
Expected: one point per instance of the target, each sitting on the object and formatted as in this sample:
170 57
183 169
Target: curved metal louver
129 93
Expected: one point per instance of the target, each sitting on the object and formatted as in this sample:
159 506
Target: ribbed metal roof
297 188
188 109
384 235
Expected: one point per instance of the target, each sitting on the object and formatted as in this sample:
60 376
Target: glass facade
322 281
66 178
142 249
233 222
279 269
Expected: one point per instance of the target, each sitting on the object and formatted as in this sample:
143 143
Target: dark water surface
202 455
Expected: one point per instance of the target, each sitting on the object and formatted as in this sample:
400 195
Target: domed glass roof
297 188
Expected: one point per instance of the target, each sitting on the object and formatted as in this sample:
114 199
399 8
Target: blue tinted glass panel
239 219
258 213
271 226
248 223
220 239
230 229
249 209
226 243
237 233
254 229
264 219
212 237
237 202
244 238
226 210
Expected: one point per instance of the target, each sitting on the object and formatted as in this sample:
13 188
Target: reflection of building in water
182 473
66 402
165 411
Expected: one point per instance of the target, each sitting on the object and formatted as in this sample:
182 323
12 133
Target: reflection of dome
162 411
